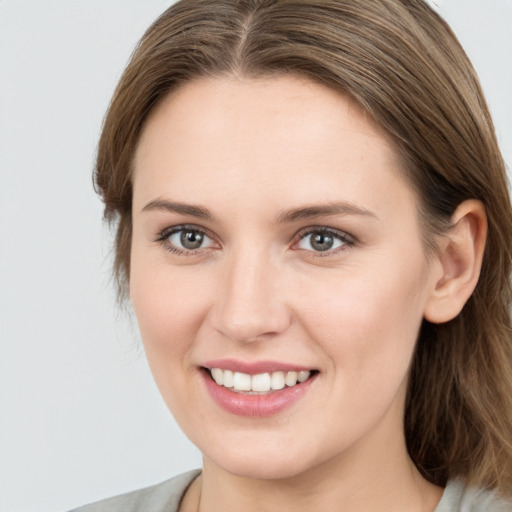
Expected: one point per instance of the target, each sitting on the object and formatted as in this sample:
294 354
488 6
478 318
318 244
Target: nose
251 303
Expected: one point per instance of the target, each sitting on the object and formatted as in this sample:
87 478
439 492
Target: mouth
260 383
254 392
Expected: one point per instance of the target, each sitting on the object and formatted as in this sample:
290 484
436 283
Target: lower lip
256 406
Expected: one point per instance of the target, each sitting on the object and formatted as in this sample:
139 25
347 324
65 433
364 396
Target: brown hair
402 63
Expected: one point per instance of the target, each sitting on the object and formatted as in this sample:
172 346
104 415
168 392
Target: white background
80 417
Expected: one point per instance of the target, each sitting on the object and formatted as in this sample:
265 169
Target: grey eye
189 239
321 241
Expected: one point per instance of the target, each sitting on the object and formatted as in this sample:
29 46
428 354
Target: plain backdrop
80 417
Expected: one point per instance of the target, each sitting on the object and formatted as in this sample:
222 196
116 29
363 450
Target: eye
324 240
185 239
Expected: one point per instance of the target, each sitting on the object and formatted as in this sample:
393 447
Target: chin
261 459
261 468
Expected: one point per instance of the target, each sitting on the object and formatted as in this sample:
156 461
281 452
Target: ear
459 262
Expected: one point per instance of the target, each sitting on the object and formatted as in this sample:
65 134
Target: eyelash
164 235
346 240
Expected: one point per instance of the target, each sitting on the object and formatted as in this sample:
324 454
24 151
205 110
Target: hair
401 62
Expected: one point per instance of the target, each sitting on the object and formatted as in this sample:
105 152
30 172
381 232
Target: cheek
368 325
169 313
170 306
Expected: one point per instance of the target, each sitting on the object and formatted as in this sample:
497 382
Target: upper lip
255 367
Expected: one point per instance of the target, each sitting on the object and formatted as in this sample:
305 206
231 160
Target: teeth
260 383
303 375
228 378
277 380
218 376
291 378
242 381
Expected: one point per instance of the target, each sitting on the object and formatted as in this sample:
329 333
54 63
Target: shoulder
459 498
165 496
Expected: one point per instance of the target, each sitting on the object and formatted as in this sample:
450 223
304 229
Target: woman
313 227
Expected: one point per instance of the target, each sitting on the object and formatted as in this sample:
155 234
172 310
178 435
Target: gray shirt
166 497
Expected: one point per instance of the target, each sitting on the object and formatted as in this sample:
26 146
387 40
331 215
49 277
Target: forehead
210 106
282 134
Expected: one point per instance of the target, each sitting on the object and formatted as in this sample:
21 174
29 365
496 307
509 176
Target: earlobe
460 262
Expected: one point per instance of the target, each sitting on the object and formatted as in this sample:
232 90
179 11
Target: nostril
250 326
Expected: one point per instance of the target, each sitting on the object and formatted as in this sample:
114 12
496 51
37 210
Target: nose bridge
251 303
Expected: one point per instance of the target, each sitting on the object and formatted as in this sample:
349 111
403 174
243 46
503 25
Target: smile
258 384
255 392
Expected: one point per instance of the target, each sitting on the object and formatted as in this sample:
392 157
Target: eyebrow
180 208
284 217
336 208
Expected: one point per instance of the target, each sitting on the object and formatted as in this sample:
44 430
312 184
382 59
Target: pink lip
256 406
254 368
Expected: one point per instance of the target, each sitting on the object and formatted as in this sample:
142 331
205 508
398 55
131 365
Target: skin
247 151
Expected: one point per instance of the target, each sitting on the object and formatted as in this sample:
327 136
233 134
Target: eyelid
163 238
347 239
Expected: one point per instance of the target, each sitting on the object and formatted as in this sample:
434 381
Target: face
276 249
